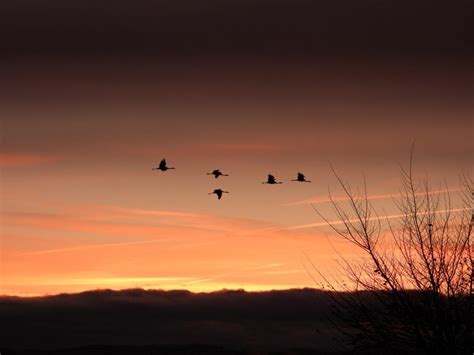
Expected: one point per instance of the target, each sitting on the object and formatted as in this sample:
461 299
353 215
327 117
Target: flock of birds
218 192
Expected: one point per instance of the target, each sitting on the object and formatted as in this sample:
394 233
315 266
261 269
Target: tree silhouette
413 289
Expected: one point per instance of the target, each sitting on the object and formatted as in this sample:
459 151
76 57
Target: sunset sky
91 99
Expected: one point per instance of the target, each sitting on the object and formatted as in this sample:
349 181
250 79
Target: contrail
318 201
91 246
376 218
145 212
112 280
220 276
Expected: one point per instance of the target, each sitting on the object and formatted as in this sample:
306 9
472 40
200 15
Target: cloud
221 276
89 222
145 212
296 26
282 272
86 226
397 195
9 160
245 147
112 281
375 218
110 225
235 225
93 246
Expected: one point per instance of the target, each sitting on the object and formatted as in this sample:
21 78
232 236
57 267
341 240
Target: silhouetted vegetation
234 320
176 322
419 271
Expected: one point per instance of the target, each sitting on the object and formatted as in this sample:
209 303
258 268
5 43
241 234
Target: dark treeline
155 320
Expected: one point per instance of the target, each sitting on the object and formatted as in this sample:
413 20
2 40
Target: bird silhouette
219 193
301 178
271 180
217 173
162 166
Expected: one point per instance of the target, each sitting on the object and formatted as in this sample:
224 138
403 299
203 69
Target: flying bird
217 173
162 166
271 180
301 178
218 192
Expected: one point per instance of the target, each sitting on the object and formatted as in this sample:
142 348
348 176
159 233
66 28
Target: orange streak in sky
317 201
376 218
23 159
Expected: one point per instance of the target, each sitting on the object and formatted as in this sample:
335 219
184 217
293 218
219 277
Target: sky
94 95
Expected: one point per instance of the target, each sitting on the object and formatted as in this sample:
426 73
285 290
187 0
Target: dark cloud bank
184 27
142 321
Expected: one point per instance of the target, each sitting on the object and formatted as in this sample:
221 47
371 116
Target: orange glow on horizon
184 251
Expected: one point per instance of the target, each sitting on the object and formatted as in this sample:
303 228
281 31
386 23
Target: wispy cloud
375 218
235 225
24 159
84 225
114 280
93 246
148 226
245 147
396 195
145 212
102 223
284 272
221 276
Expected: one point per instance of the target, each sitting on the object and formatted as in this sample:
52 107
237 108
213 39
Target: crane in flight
218 193
301 178
271 180
163 166
217 173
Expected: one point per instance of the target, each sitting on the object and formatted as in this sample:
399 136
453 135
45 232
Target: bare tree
413 289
